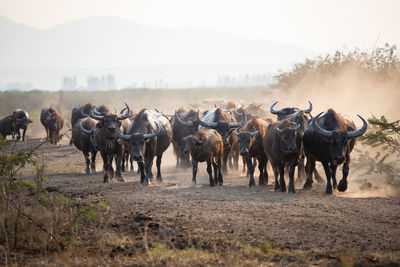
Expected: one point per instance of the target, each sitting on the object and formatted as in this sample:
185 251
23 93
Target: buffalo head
137 142
338 140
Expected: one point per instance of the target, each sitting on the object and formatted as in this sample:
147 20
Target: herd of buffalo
217 136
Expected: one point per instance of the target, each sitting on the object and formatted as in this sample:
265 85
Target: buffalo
149 135
82 139
6 126
282 144
224 123
283 113
105 140
20 119
251 146
206 145
52 122
183 123
329 139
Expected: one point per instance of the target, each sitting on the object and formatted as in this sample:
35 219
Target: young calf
206 145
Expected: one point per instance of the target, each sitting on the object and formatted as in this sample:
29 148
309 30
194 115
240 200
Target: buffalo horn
205 124
184 123
147 136
319 129
309 108
360 131
273 111
240 123
125 137
88 132
127 114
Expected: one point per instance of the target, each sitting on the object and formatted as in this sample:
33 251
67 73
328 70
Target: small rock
139 245
168 231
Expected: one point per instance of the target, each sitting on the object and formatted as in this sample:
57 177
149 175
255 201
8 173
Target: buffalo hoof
105 180
292 190
276 187
342 186
93 170
283 189
307 186
87 170
329 191
220 183
159 180
212 184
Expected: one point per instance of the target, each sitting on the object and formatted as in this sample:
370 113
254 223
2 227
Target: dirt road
308 227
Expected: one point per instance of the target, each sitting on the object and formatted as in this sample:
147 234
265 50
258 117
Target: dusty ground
308 227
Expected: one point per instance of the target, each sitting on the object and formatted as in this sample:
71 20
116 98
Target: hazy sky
315 24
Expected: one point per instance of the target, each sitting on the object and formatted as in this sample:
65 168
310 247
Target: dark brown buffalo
82 139
206 145
282 144
329 139
183 123
20 119
52 122
300 117
6 126
105 140
251 138
224 123
149 135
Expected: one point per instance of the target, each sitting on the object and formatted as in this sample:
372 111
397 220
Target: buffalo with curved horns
149 135
283 113
329 139
282 144
105 140
82 139
183 123
224 124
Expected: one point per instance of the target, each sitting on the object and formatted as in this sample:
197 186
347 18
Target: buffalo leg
262 169
118 159
291 178
220 179
328 178
310 166
225 161
194 172
87 160
209 171
318 177
333 171
215 169
23 134
158 163
301 174
265 171
276 173
244 166
110 168
105 167
346 167
148 165
141 170
93 162
251 171
282 183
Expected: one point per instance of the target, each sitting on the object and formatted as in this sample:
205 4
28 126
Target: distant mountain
107 42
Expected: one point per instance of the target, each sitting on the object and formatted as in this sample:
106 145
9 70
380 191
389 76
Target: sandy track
307 220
